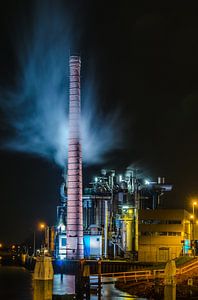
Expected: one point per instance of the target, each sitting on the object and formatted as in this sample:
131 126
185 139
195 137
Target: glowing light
147 182
62 227
186 246
1 245
42 226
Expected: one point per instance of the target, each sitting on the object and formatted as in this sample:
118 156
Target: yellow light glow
13 246
1 245
192 217
42 226
195 203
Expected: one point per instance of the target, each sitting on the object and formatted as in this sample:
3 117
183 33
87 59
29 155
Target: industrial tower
74 224
108 208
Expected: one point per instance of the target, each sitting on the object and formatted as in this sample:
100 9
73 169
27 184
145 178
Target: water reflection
42 289
16 283
65 285
61 285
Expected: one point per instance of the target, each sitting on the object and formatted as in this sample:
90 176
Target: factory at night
116 215
98 130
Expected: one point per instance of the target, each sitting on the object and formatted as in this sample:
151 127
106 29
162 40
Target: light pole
34 244
194 204
193 229
42 227
46 228
47 237
191 233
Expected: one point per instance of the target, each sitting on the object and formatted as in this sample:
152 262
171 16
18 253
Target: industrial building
116 215
164 234
112 214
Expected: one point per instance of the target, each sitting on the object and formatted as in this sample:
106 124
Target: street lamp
193 233
34 243
193 236
44 227
41 226
194 204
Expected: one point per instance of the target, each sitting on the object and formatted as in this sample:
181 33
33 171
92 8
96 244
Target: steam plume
36 108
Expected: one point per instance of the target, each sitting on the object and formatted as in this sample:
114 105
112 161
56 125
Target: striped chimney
74 248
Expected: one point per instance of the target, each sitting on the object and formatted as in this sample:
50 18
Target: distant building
164 234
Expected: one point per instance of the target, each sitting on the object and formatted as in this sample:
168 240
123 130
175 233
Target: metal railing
146 274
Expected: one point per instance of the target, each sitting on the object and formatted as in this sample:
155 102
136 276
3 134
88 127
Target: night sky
141 63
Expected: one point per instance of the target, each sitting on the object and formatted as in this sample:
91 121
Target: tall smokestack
74 248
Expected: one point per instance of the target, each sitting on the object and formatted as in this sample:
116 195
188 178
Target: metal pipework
74 248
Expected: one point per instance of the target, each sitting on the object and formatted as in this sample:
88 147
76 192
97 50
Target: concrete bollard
43 269
170 281
23 258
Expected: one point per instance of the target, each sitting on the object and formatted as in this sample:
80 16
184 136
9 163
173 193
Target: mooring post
170 281
156 283
99 278
43 269
78 279
86 281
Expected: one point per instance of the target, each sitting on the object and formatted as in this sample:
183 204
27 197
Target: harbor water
16 283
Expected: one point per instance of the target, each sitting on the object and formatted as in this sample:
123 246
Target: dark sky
145 64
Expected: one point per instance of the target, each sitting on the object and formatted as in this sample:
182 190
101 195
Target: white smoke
36 109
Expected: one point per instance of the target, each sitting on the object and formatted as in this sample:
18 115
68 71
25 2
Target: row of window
161 233
160 221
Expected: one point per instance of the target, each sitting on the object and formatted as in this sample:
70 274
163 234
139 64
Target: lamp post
34 244
194 204
42 227
192 233
45 227
193 229
39 226
47 237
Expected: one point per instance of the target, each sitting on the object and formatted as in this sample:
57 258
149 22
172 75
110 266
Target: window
161 233
174 222
63 242
150 221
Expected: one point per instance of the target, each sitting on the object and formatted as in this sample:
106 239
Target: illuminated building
104 220
164 234
110 213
